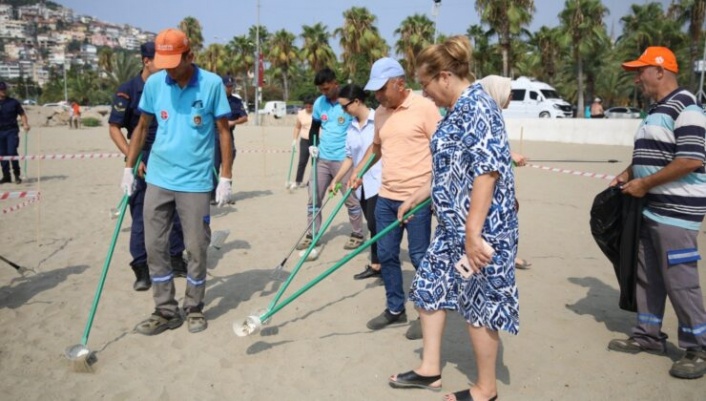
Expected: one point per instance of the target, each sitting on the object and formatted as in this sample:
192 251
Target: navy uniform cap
228 80
3 86
147 50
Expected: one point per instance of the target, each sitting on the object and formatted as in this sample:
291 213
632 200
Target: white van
276 108
532 98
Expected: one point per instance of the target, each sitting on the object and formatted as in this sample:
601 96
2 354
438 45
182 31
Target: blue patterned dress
470 141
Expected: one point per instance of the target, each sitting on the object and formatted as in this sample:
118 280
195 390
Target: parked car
622 112
29 102
293 108
57 104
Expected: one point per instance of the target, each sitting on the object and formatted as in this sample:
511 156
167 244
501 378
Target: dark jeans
418 237
368 206
303 159
9 142
137 230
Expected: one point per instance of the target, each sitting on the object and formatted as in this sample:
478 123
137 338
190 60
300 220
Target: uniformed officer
10 109
237 116
125 114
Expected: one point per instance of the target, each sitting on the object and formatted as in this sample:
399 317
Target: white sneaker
293 186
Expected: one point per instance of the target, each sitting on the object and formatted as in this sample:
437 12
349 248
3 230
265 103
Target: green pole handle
106 263
271 311
318 236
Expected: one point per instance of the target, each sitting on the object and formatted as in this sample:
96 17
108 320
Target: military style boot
5 178
18 179
142 278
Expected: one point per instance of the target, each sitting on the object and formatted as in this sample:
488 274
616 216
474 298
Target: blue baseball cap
383 69
147 50
228 80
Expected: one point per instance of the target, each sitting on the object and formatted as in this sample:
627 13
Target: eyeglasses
345 106
424 85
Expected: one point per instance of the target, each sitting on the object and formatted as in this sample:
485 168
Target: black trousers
303 159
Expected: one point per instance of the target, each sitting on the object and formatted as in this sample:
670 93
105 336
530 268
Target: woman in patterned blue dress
473 194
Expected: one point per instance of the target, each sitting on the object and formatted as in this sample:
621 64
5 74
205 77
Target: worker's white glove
223 191
294 143
314 152
128 182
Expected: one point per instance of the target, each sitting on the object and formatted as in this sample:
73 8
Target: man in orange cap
668 171
191 108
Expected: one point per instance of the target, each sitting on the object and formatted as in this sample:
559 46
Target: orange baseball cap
656 56
170 44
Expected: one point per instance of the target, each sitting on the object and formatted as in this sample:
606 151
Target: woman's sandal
412 379
522 264
465 395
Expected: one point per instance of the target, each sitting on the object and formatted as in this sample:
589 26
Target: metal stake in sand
80 355
573 161
252 324
318 236
291 163
278 268
26 144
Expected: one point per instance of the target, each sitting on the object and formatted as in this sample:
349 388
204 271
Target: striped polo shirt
674 128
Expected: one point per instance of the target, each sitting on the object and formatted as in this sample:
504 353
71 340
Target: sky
223 19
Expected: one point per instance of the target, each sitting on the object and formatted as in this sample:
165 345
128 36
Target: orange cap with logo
169 45
655 56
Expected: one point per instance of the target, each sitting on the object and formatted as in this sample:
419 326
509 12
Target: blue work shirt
182 154
125 112
10 109
334 125
237 110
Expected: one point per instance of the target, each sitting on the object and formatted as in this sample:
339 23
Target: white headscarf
498 88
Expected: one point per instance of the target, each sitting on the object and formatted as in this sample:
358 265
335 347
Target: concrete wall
571 130
574 130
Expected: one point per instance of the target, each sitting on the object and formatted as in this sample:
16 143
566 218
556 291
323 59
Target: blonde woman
472 190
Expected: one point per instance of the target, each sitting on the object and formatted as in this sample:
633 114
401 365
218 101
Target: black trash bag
615 226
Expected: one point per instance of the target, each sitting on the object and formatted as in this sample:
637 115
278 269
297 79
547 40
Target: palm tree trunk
579 93
285 81
506 61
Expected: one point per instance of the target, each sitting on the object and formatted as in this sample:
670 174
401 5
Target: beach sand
317 347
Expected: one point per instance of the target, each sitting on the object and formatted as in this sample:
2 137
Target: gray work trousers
667 267
325 171
194 212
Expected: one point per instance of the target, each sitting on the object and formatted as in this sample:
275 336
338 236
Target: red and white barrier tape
113 155
64 157
18 194
15 208
573 172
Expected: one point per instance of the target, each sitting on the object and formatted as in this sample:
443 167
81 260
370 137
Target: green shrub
91 122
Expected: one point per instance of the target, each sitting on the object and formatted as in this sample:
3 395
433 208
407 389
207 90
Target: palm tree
316 49
192 28
282 55
213 58
506 18
416 33
125 66
582 20
693 12
360 40
547 44
105 59
480 41
242 60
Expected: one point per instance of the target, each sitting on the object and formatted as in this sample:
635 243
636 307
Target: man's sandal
196 322
158 323
354 241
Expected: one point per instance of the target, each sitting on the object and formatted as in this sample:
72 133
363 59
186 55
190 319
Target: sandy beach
317 347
